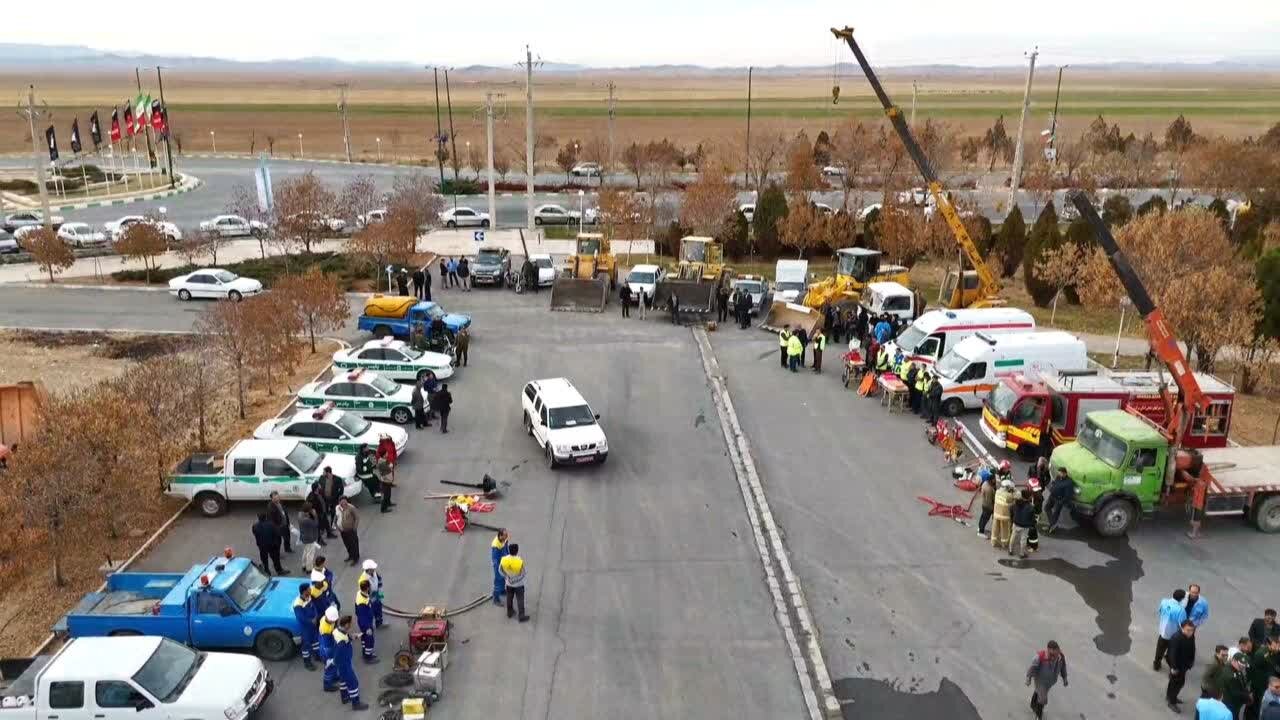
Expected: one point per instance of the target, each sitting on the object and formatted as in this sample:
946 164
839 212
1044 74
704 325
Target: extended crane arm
1159 335
987 283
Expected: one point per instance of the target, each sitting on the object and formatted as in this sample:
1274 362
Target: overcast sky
705 32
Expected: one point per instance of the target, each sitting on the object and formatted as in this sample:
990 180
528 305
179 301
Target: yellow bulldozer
855 269
697 277
588 275
701 258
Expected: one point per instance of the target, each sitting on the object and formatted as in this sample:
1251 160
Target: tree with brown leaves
802 228
162 426
625 214
802 174
768 147
303 207
48 252
224 329
274 327
568 157
143 241
318 301
708 202
1058 269
854 150
388 242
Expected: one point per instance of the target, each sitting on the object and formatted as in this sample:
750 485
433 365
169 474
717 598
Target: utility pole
151 153
612 112
1053 124
453 138
528 134
747 163
488 131
342 108
38 158
1022 124
440 136
915 89
168 128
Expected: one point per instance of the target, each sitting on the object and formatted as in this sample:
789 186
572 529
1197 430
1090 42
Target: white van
973 367
936 332
789 280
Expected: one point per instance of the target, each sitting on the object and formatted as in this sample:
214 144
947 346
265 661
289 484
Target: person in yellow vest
882 360
795 349
819 344
364 620
1002 525
783 336
328 622
512 567
922 385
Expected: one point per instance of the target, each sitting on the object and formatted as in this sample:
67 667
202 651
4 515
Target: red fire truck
1019 411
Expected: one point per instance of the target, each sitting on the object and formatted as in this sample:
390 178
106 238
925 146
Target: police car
362 393
330 430
393 359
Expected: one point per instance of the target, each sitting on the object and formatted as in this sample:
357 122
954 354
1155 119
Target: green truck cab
1123 468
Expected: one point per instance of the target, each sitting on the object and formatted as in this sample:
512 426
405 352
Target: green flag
141 106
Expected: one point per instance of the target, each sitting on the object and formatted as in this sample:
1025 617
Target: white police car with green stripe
330 430
362 393
252 470
393 359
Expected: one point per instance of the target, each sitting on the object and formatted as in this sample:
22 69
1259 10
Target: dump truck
588 275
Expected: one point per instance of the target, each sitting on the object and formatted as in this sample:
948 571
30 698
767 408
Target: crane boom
1163 342
988 286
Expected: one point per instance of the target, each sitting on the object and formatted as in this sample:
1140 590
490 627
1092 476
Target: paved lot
647 598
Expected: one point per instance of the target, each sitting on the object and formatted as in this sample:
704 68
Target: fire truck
1020 411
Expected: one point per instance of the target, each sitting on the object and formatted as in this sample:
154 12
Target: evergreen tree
1044 237
1011 242
771 208
1116 211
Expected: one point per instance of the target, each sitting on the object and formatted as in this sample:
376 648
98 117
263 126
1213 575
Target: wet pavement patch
1106 588
868 699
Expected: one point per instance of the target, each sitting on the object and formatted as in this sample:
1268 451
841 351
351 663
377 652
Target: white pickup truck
147 678
252 470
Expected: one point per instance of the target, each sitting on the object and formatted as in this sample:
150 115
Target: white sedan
557 215
29 218
117 228
833 171
586 169
464 217
213 283
234 226
78 234
8 243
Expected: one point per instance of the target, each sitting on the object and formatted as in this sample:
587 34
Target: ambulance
976 365
936 332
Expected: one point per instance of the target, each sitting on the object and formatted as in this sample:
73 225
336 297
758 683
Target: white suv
558 417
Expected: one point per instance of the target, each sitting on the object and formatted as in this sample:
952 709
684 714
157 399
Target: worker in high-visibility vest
922 387
819 341
305 613
795 349
328 623
882 360
364 619
784 335
1002 526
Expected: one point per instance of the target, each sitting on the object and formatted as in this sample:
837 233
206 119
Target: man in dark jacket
1046 667
934 396
280 518
743 310
464 273
624 297
402 282
267 539
722 304
333 488
426 284
321 506
1181 657
1061 490
1024 518
1264 628
441 404
418 402
804 344
419 284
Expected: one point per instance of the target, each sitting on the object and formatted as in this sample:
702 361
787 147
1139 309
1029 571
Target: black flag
75 135
51 139
95 130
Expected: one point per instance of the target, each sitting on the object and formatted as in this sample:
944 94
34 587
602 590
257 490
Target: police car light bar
323 410
355 374
386 341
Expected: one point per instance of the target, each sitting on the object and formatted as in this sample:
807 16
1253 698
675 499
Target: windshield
693 252
588 247
750 287
1002 398
1107 447
786 286
435 313
383 385
542 262
168 671
246 588
224 277
575 416
910 339
640 277
952 364
352 424
488 259
304 458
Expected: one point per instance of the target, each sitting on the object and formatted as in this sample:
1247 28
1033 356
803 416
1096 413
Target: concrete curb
186 184
788 597
66 286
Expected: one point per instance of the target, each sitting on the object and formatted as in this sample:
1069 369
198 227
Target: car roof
383 343
75 224
548 205
82 658
362 375
309 415
645 268
558 392
274 448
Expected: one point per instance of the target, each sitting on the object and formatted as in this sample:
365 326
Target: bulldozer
696 278
588 275
855 268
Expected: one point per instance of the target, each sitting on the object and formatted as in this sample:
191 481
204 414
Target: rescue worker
913 393
497 551
348 681
328 623
795 349
988 490
1037 510
922 389
783 336
364 618
321 594
512 567
376 589
1002 525
935 398
305 613
882 359
819 344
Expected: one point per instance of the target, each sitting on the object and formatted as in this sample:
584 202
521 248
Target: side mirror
142 704
597 416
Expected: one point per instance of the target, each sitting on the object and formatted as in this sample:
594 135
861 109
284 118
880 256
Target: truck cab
891 298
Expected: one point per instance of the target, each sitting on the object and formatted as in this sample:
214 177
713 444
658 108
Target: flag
158 119
51 139
95 130
115 125
128 120
140 114
75 135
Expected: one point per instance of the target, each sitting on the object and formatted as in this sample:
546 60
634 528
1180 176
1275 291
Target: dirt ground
65 361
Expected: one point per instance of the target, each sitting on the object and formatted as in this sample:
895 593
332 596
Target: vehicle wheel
402 416
235 296
211 504
123 633
953 407
551 458
601 460
184 294
528 425
274 645
381 331
1267 515
1114 518
451 224
484 223
537 220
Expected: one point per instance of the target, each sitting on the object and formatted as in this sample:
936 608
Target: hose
395 612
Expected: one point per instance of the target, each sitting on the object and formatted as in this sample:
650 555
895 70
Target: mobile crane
977 288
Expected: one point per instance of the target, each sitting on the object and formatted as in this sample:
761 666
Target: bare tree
568 157
244 202
304 205
225 330
48 252
318 301
271 145
853 149
477 158
501 163
768 148
416 196
358 198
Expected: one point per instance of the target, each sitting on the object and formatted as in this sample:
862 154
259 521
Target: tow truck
1124 465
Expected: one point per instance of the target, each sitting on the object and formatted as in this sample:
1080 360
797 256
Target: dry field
399 107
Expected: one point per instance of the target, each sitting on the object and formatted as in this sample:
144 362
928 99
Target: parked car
316 220
562 423
362 393
213 283
329 430
490 266
21 233
371 217
833 171
78 234
557 215
116 228
464 217
234 226
28 218
8 243
586 169
644 278
394 359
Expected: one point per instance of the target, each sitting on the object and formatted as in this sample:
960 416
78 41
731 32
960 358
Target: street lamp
379 141
469 157
300 153
213 139
582 194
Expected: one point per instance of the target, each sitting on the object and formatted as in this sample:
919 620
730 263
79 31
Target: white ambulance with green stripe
393 359
974 366
252 470
327 429
362 393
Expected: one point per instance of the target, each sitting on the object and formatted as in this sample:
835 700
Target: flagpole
84 177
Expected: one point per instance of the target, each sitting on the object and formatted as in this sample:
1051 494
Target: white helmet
331 614
317 576
370 565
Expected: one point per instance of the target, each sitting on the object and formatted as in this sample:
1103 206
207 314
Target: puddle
1107 589
868 699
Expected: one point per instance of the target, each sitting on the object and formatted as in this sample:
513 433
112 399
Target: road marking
810 667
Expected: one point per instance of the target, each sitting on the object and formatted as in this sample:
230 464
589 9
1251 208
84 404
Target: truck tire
952 407
274 645
551 458
381 331
402 416
210 504
1266 516
1114 517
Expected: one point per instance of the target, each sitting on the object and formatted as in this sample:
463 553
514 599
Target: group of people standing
792 347
1017 515
432 399
327 633
508 574
455 272
737 301
420 280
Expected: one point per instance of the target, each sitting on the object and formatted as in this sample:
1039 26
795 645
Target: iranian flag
143 105
115 125
128 119
159 118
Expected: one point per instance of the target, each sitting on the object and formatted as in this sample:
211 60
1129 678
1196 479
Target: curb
185 185
65 286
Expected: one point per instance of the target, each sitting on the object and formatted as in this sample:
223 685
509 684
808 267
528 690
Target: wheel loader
587 277
855 269
696 279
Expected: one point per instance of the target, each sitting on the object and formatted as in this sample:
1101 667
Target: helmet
370 565
1033 483
985 474
317 576
1006 466
331 614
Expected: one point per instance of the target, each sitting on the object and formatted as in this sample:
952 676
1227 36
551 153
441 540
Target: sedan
586 169
78 234
213 283
833 171
29 218
8 243
557 215
464 217
117 228
371 217
234 226
316 220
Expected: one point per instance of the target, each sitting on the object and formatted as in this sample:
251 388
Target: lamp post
214 139
582 194
379 141
469 158
300 153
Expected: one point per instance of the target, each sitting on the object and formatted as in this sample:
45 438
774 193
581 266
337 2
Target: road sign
478 235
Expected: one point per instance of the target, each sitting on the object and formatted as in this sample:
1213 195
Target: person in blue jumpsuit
322 593
328 578
305 613
364 618
328 624
498 550
376 588
348 682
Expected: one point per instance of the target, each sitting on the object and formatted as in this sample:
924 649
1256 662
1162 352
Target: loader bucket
574 295
782 314
694 296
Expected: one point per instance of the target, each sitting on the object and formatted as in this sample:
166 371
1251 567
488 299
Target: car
823 208
562 423
362 393
754 286
915 196
327 429
29 218
316 220
546 269
21 233
394 359
78 234
490 266
213 283
644 278
553 215
586 169
866 211
234 226
116 228
371 217
8 243
748 210
833 171
464 217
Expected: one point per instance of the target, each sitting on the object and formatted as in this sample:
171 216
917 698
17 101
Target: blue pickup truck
223 603
383 324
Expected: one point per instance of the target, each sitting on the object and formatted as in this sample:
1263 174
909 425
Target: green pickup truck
1123 468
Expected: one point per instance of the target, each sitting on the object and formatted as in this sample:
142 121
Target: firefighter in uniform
364 618
783 336
365 473
348 682
328 623
375 589
305 613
